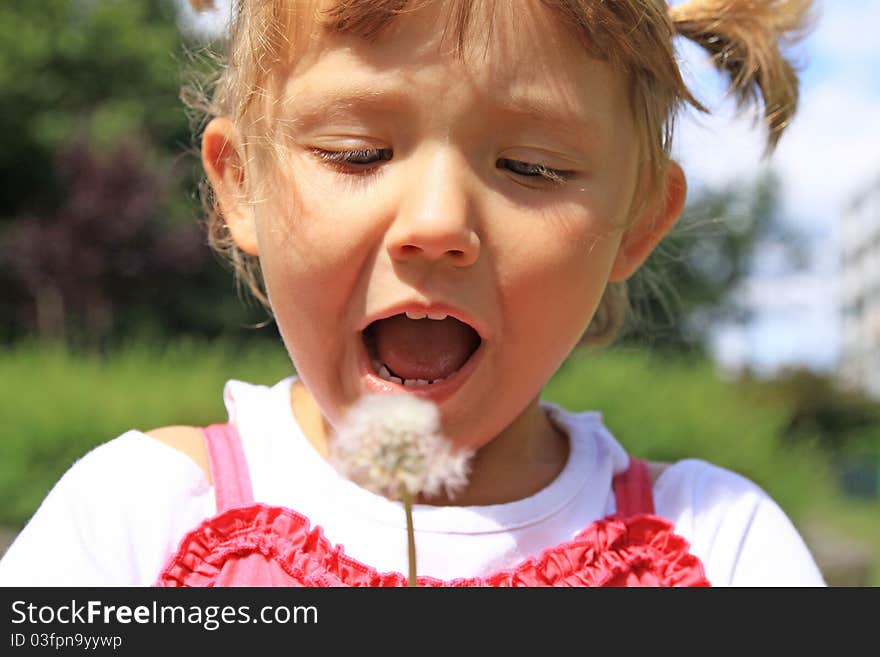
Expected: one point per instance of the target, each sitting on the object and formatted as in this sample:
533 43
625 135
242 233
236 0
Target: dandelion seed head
391 443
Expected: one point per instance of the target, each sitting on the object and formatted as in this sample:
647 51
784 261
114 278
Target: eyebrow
535 109
339 102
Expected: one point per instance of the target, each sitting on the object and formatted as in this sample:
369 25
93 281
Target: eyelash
555 176
343 160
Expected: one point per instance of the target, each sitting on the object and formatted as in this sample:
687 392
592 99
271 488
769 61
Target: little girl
442 199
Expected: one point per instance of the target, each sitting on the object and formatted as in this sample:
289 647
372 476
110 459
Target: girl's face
411 178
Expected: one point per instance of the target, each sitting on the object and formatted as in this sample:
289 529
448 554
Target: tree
90 70
105 247
98 219
690 282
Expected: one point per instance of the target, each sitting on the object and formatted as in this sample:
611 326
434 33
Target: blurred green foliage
99 228
97 71
841 420
688 284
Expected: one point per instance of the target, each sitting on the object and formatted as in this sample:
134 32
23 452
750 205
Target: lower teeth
383 373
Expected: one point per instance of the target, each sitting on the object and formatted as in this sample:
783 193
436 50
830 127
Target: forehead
467 30
507 51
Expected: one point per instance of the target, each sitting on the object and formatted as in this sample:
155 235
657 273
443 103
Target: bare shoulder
188 440
656 468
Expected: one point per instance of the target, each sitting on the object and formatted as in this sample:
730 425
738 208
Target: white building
860 291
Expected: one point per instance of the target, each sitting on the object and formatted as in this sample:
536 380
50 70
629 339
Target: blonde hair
743 37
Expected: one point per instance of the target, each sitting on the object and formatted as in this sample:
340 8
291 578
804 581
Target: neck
310 419
526 457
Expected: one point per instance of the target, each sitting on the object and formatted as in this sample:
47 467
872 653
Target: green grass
56 405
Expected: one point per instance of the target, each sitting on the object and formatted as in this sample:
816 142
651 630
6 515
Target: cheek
551 284
312 246
310 270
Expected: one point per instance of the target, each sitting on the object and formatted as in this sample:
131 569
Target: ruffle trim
637 551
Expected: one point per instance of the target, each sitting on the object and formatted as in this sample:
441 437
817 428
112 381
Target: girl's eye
555 176
350 161
358 162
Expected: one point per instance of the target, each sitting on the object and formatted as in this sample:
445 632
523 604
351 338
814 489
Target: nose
434 221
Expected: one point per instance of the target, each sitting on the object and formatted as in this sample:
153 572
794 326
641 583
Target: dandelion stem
410 537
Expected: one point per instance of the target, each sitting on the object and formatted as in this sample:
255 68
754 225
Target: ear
655 221
224 165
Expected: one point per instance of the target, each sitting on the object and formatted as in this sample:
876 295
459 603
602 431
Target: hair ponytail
744 39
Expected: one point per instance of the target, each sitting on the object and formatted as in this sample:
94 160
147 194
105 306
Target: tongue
425 349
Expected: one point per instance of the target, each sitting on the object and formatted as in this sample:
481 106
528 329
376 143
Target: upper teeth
418 315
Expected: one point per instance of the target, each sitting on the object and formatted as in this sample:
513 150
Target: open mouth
419 352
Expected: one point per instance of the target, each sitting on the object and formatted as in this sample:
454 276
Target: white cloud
798 319
832 151
811 338
844 30
718 148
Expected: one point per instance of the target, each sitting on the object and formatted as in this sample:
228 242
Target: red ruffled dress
249 544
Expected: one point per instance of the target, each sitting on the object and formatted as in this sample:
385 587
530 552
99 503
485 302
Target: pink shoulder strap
632 489
229 470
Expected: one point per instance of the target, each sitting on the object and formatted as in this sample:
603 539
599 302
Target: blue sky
830 153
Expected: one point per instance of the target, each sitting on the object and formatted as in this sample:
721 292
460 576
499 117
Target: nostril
411 250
